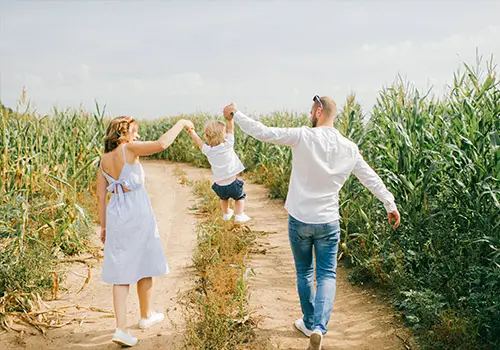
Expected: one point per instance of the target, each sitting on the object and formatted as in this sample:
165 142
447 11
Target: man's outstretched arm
369 178
254 128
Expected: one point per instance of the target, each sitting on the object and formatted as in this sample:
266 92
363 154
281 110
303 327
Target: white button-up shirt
322 160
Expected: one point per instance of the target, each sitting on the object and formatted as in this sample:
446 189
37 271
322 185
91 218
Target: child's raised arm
230 126
196 138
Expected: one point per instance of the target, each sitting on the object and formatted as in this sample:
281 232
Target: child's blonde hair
214 132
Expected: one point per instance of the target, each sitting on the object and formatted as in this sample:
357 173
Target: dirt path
171 203
359 320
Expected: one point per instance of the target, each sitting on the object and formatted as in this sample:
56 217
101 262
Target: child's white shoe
154 318
229 215
241 218
124 339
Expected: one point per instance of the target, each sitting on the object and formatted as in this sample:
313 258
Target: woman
132 246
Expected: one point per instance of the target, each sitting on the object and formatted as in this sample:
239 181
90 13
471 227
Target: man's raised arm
254 128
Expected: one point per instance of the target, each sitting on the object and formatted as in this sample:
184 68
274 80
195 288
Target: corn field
441 160
440 157
48 168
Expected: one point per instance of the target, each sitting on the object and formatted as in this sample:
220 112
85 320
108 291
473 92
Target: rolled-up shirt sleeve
369 178
254 128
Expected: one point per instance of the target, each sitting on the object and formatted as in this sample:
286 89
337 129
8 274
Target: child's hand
228 110
187 124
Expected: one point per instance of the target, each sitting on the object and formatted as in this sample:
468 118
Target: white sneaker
124 339
301 326
239 219
153 319
229 215
315 340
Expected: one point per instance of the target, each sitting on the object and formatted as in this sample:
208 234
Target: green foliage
441 160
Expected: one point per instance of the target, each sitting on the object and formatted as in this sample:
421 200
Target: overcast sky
157 58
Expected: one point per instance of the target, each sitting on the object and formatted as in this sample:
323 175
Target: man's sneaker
123 339
228 216
153 319
241 218
315 340
301 326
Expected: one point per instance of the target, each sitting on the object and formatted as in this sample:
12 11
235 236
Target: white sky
158 58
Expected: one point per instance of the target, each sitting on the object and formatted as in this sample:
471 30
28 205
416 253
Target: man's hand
394 216
103 235
228 109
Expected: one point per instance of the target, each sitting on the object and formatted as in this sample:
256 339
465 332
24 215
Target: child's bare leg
224 205
239 206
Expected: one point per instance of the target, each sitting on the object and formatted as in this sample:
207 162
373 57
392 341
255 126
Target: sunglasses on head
318 100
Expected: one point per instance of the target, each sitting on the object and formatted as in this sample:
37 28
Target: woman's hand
186 124
103 235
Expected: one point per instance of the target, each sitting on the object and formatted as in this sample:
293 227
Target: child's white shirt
223 159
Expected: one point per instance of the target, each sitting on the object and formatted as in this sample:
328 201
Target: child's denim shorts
234 190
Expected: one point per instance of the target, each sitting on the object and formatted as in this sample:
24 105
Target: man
322 160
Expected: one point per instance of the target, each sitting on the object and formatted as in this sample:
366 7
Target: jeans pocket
294 229
331 232
294 234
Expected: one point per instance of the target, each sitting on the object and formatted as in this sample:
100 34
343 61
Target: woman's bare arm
102 183
147 148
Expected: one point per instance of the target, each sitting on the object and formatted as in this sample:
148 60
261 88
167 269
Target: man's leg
326 241
301 244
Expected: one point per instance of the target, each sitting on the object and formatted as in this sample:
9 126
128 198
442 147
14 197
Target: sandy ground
359 319
171 202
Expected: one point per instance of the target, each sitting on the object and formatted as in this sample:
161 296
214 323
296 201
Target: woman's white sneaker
124 339
154 318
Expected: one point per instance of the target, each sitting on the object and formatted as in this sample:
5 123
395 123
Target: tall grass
217 312
439 156
441 159
47 170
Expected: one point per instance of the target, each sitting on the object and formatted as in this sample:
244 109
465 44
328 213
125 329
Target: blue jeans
324 238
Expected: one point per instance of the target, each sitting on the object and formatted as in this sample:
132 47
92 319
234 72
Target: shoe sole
315 341
122 343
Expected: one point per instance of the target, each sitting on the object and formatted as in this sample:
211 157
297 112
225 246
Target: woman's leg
145 292
120 292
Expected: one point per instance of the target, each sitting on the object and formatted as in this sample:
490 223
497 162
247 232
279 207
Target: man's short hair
329 106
